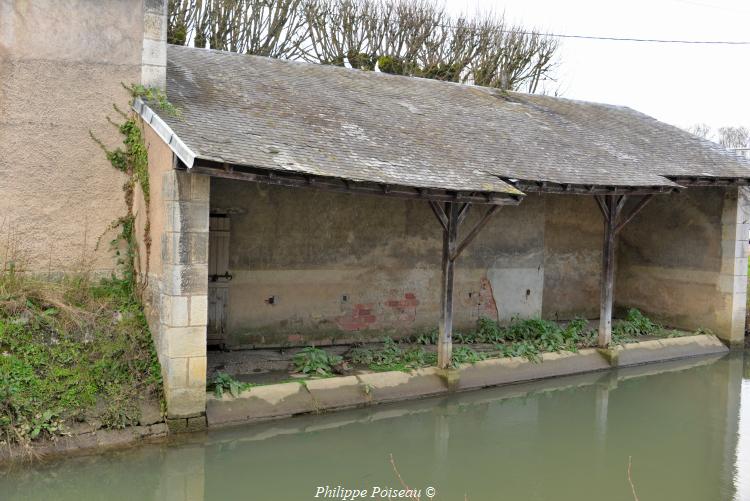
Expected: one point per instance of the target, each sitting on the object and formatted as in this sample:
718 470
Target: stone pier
184 292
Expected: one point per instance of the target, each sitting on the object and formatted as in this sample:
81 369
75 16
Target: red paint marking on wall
487 306
360 317
405 308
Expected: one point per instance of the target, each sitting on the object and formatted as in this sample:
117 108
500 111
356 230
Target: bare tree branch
405 37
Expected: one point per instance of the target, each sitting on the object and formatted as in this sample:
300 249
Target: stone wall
176 275
683 261
340 267
62 66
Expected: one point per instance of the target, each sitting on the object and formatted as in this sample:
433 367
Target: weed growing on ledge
466 355
155 96
526 338
224 382
314 361
634 325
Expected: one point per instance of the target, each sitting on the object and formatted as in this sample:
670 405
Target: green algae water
683 426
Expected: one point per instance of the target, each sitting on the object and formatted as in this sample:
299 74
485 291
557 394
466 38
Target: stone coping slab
659 350
499 371
337 392
318 395
262 402
396 385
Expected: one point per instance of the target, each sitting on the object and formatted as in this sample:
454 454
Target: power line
612 39
646 40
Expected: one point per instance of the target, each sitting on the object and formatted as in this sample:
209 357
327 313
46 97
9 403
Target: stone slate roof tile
368 126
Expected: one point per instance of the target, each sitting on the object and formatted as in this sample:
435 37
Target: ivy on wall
132 160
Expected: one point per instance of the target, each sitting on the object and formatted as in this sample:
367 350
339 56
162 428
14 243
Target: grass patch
69 350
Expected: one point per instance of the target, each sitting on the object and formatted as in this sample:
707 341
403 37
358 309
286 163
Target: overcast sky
678 84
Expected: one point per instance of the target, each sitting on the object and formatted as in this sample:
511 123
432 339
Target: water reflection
742 460
686 425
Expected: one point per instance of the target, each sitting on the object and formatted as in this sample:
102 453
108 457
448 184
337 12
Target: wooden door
218 278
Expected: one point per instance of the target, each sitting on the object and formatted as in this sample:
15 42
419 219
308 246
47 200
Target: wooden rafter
589 189
297 180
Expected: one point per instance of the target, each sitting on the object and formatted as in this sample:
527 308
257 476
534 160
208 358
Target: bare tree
343 30
274 28
701 130
728 137
734 137
406 37
511 58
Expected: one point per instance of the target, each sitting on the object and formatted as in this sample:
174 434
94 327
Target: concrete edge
263 403
659 350
499 371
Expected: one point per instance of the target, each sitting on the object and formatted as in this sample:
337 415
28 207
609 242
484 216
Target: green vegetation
224 382
75 349
71 350
392 357
634 325
521 338
133 162
529 338
155 96
466 355
314 361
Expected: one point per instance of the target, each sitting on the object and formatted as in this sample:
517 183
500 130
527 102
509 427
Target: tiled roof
367 126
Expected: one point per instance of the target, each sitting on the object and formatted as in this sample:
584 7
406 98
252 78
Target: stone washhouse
296 204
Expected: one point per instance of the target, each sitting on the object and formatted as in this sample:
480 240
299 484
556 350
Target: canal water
684 427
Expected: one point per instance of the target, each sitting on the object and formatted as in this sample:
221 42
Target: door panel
218 278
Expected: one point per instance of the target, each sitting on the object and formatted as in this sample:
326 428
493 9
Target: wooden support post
611 207
608 272
445 331
450 216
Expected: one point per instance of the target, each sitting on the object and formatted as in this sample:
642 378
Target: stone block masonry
735 223
184 292
154 56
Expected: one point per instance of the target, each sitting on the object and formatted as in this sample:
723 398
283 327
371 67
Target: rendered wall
683 261
342 267
573 233
61 69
